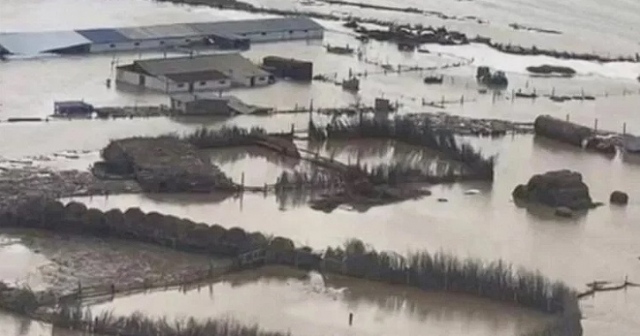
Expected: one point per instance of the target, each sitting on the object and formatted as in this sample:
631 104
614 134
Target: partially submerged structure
195 73
225 34
561 130
289 68
72 109
496 79
211 104
561 188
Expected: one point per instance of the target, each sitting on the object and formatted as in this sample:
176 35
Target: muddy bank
16 184
87 261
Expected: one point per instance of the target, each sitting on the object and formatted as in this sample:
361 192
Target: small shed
383 105
72 108
212 105
204 104
289 68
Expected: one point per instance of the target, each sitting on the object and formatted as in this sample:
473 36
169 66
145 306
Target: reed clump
397 173
441 271
224 137
106 323
310 179
413 132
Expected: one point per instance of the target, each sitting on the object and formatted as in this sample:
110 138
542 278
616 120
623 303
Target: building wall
286 35
144 44
185 41
178 106
243 80
212 85
133 78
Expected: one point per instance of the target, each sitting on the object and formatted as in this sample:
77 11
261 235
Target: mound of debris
558 189
164 164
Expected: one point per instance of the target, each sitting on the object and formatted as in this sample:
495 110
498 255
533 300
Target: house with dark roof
215 72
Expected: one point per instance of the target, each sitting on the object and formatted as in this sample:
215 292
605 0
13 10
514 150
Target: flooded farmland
309 305
599 246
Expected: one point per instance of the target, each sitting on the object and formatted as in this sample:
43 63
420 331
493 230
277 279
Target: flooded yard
43 260
601 245
309 305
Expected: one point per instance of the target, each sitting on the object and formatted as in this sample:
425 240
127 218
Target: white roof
40 42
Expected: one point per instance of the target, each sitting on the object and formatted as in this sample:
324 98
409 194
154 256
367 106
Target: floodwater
306 305
12 325
586 25
601 245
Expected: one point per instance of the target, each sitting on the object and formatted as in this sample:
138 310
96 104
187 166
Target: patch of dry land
63 261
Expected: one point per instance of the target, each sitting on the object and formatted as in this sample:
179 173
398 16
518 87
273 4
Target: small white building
190 74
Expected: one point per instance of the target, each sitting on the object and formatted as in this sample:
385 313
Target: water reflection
376 152
312 305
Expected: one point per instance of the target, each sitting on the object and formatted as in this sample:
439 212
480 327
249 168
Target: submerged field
484 224
306 304
44 260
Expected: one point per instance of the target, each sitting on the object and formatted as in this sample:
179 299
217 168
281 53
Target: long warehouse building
223 35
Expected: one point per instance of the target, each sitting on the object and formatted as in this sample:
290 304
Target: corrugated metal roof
197 76
103 35
158 32
41 42
225 63
256 26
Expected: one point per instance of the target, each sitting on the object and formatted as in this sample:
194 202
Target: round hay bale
563 212
114 220
257 239
619 198
75 209
94 221
282 244
54 214
236 236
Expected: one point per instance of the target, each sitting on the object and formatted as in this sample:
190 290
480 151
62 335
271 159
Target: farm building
289 68
212 104
72 109
223 35
197 73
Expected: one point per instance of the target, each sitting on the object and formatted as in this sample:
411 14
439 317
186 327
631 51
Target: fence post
567 116
242 180
624 128
595 124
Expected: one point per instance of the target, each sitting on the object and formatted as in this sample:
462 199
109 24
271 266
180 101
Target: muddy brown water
305 304
600 245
